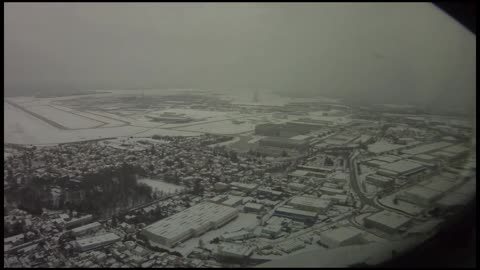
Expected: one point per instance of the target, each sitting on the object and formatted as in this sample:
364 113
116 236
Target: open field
65 118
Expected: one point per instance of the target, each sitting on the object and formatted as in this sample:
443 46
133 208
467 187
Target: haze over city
206 135
389 53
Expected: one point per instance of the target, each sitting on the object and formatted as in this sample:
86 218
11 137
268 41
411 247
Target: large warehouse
191 222
96 241
310 204
387 221
401 168
419 195
342 236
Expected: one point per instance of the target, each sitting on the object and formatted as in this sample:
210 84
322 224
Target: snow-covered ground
66 119
161 186
223 127
372 253
166 132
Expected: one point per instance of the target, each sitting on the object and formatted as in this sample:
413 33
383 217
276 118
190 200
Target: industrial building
339 178
331 191
387 221
244 186
86 228
269 192
419 195
219 186
337 198
78 221
291 245
96 241
380 180
253 208
401 168
191 222
232 201
342 236
425 158
234 251
324 170
440 185
234 236
295 214
297 186
313 204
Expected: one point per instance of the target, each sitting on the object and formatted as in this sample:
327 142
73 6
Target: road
364 200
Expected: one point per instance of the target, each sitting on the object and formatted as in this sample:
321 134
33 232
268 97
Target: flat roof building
86 228
253 207
337 198
380 180
297 186
401 168
233 201
96 241
387 221
331 191
191 222
78 221
295 214
244 186
342 236
234 251
419 195
440 185
317 205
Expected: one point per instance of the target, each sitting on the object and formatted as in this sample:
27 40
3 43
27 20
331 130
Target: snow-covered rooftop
402 166
341 234
389 219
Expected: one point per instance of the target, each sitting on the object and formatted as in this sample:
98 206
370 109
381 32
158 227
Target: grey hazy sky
391 52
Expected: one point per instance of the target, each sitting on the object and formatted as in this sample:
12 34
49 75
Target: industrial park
191 178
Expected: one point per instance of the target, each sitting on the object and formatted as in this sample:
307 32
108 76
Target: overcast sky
392 52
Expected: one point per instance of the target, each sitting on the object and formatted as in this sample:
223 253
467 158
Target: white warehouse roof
389 219
191 219
402 167
91 241
310 202
340 235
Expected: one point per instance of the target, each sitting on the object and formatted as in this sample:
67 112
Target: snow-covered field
66 119
166 132
161 186
223 127
23 128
